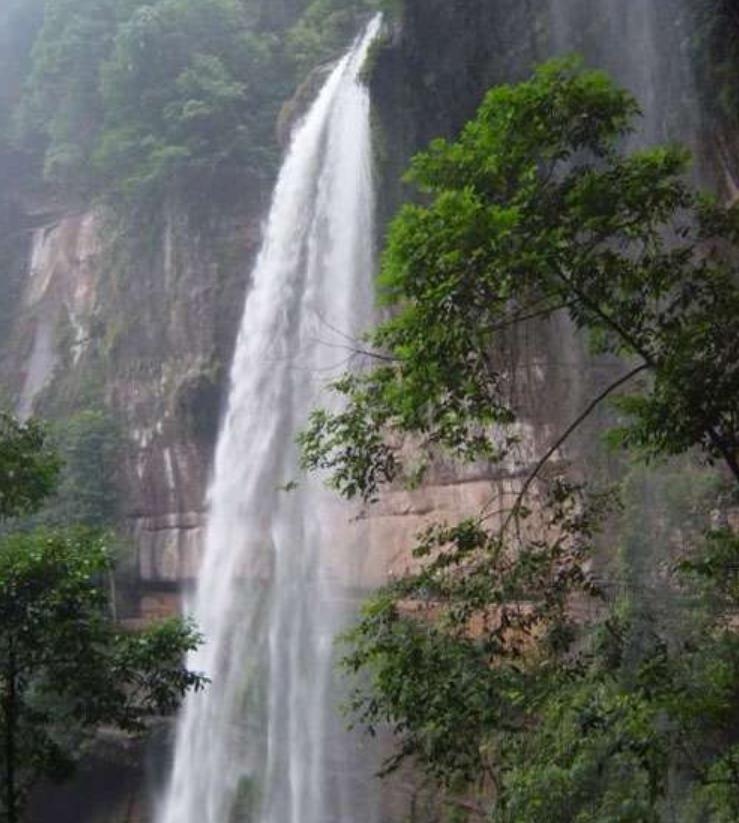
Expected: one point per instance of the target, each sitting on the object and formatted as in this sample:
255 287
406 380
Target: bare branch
579 420
467 806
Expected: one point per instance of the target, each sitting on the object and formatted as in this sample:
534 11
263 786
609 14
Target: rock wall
428 78
145 324
143 327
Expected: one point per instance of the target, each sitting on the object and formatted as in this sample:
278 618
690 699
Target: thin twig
354 350
579 420
715 437
466 805
515 319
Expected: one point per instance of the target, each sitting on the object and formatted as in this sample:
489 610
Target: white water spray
262 743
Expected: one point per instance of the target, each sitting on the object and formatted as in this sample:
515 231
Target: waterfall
642 45
262 743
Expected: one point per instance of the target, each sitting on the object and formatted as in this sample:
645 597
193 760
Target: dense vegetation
66 668
19 23
131 103
131 99
88 445
525 677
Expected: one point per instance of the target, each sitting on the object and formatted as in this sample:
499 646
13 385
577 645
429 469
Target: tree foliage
29 467
449 649
89 446
187 86
534 211
324 28
66 668
81 486
483 662
62 102
136 98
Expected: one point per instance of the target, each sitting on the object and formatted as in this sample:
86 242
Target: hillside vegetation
127 99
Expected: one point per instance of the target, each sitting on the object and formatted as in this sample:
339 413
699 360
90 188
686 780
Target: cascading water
262 743
641 44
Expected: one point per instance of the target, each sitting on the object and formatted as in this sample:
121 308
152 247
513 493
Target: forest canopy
127 98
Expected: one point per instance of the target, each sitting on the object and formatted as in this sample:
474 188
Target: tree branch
514 320
723 448
467 806
607 319
579 420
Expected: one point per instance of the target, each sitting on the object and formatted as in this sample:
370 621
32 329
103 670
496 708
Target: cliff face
429 76
433 68
437 64
145 325
143 328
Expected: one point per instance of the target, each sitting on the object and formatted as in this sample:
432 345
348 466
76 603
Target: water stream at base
262 743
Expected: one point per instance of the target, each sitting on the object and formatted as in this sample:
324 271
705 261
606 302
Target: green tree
134 99
66 668
535 211
455 655
324 29
187 87
132 91
88 444
29 467
62 103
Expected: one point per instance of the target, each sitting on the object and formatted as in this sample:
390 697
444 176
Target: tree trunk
10 711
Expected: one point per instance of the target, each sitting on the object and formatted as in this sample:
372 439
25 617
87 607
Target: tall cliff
428 77
123 285
145 332
144 327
